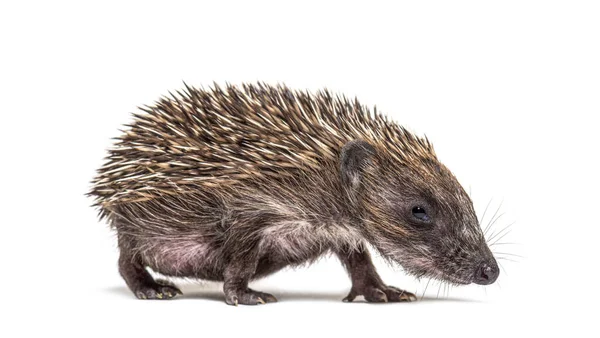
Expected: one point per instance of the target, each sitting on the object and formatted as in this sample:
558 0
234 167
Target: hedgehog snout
486 273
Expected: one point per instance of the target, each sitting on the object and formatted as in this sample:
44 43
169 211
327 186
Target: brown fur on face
449 246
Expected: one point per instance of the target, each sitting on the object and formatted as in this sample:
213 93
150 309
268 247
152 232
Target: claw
409 297
159 295
382 296
260 300
271 299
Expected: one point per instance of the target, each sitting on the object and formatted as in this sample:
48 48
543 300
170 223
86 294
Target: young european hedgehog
235 184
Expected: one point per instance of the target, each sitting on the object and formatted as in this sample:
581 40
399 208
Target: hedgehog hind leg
141 283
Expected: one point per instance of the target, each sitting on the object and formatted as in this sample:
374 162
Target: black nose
486 273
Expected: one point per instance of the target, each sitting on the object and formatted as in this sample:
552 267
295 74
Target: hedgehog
234 183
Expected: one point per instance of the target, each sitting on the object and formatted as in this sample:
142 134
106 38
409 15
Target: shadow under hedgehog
233 184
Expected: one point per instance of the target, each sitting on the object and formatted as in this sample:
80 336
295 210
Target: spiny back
205 138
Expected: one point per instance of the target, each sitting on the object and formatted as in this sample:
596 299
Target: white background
508 92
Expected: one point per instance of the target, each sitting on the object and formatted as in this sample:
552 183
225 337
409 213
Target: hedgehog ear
353 158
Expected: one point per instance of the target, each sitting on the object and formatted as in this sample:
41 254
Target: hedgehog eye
420 214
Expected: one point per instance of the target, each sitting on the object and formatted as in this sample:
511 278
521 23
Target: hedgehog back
205 138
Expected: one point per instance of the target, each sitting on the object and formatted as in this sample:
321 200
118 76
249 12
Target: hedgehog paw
248 297
395 294
157 291
381 294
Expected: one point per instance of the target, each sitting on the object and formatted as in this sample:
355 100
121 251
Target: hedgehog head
415 212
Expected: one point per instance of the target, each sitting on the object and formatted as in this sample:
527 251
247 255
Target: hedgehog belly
182 258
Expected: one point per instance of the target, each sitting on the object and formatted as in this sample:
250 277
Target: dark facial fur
234 185
447 244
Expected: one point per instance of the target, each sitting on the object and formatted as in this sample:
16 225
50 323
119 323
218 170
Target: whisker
504 243
487 228
493 236
491 226
510 254
486 209
508 232
507 259
426 286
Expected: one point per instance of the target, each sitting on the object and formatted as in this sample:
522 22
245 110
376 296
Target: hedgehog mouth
454 279
451 277
428 267
435 272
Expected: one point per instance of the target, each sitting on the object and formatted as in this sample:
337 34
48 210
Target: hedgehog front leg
236 277
366 280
